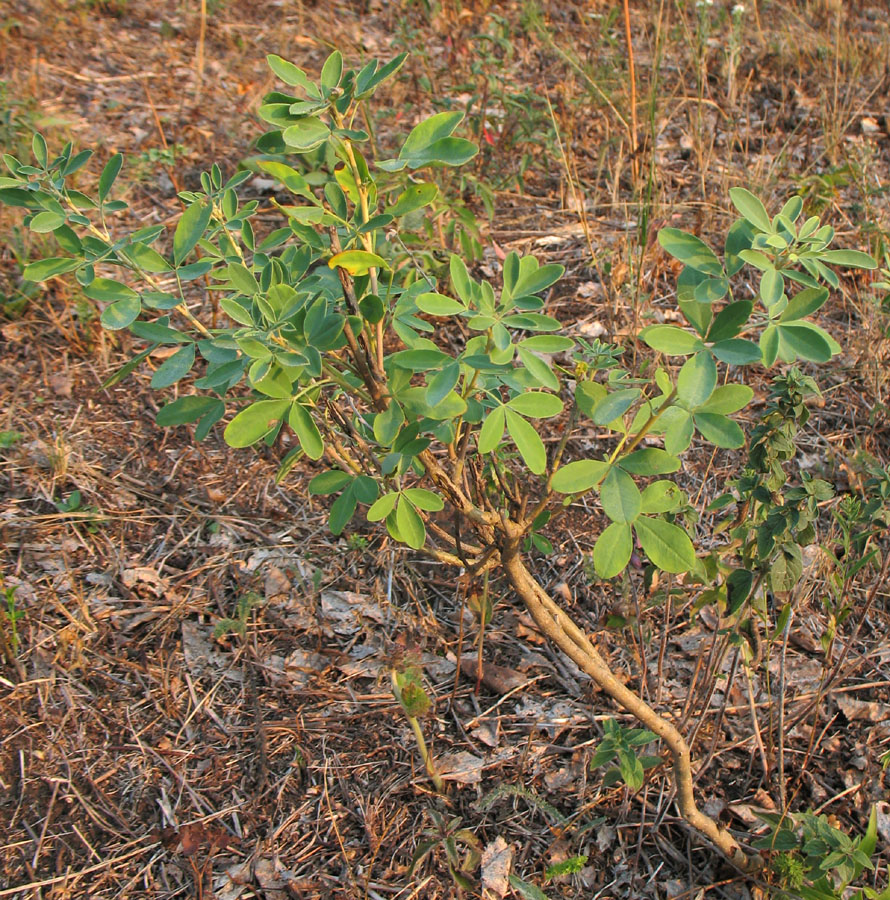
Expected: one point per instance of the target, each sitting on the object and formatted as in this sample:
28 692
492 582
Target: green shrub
428 402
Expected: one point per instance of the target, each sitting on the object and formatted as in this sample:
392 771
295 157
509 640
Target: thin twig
199 52
631 73
781 716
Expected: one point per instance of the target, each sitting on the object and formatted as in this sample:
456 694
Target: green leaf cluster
786 256
815 859
622 746
338 339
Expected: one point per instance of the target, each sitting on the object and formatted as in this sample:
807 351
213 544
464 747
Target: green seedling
622 746
356 542
238 623
73 505
462 849
407 686
10 642
813 859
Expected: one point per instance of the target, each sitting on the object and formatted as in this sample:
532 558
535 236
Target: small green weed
146 164
356 542
815 860
622 745
407 687
10 638
238 623
73 505
9 439
462 849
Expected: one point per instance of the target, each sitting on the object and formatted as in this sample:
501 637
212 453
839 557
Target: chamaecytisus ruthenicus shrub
336 332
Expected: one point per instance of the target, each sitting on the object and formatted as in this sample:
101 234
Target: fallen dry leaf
277 584
346 610
13 332
462 767
550 716
882 814
201 656
60 383
144 575
497 860
498 679
487 733
862 709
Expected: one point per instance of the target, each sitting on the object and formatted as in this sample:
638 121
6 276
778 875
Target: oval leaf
414 197
492 430
424 499
612 550
537 405
579 476
691 250
48 268
439 305
547 343
342 511
46 221
737 352
726 399
719 430
671 340
109 174
538 369
184 410
662 496
804 304
751 208
190 229
772 287
650 461
306 431
442 383
410 525
614 405
421 360
255 422
620 496
174 368
307 134
848 258
769 344
289 73
697 379
527 441
329 482
730 320
533 281
357 262
382 507
106 290
121 314
667 545
678 434
805 342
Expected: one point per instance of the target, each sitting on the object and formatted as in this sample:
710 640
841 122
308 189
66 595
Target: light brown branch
556 625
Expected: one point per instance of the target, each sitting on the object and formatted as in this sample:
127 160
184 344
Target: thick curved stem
556 624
